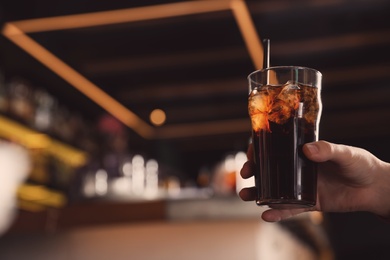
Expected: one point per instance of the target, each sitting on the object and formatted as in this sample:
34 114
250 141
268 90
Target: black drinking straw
266 46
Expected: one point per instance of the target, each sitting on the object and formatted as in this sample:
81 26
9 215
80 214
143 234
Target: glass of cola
285 108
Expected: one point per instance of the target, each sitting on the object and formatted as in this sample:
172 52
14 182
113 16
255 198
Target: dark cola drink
284 117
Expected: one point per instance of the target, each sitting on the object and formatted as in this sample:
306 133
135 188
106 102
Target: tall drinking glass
285 109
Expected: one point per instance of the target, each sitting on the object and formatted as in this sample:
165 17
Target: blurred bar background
134 117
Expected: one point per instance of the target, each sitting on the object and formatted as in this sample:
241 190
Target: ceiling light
157 117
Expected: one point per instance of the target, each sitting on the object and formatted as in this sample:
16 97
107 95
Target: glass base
285 203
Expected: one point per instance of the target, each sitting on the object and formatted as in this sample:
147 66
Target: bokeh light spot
157 117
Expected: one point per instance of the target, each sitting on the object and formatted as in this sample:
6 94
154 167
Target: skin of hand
349 179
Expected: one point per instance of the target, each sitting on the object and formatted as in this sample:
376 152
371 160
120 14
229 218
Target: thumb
323 151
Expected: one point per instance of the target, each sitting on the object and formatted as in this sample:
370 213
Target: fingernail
277 219
313 149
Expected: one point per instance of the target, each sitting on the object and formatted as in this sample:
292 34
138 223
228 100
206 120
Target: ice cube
259 101
285 103
259 105
290 94
309 94
311 103
260 122
280 112
311 112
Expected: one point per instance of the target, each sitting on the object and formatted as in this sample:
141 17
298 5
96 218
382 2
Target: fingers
274 215
247 170
248 194
248 167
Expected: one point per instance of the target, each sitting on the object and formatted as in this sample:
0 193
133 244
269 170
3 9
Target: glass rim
282 67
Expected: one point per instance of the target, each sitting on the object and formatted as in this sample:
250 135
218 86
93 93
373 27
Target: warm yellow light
77 80
17 32
35 197
158 117
34 140
248 31
121 16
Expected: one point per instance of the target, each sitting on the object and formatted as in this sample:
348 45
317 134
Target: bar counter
213 228
116 210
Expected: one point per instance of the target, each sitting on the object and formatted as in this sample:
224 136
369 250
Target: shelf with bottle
34 119
31 139
48 157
